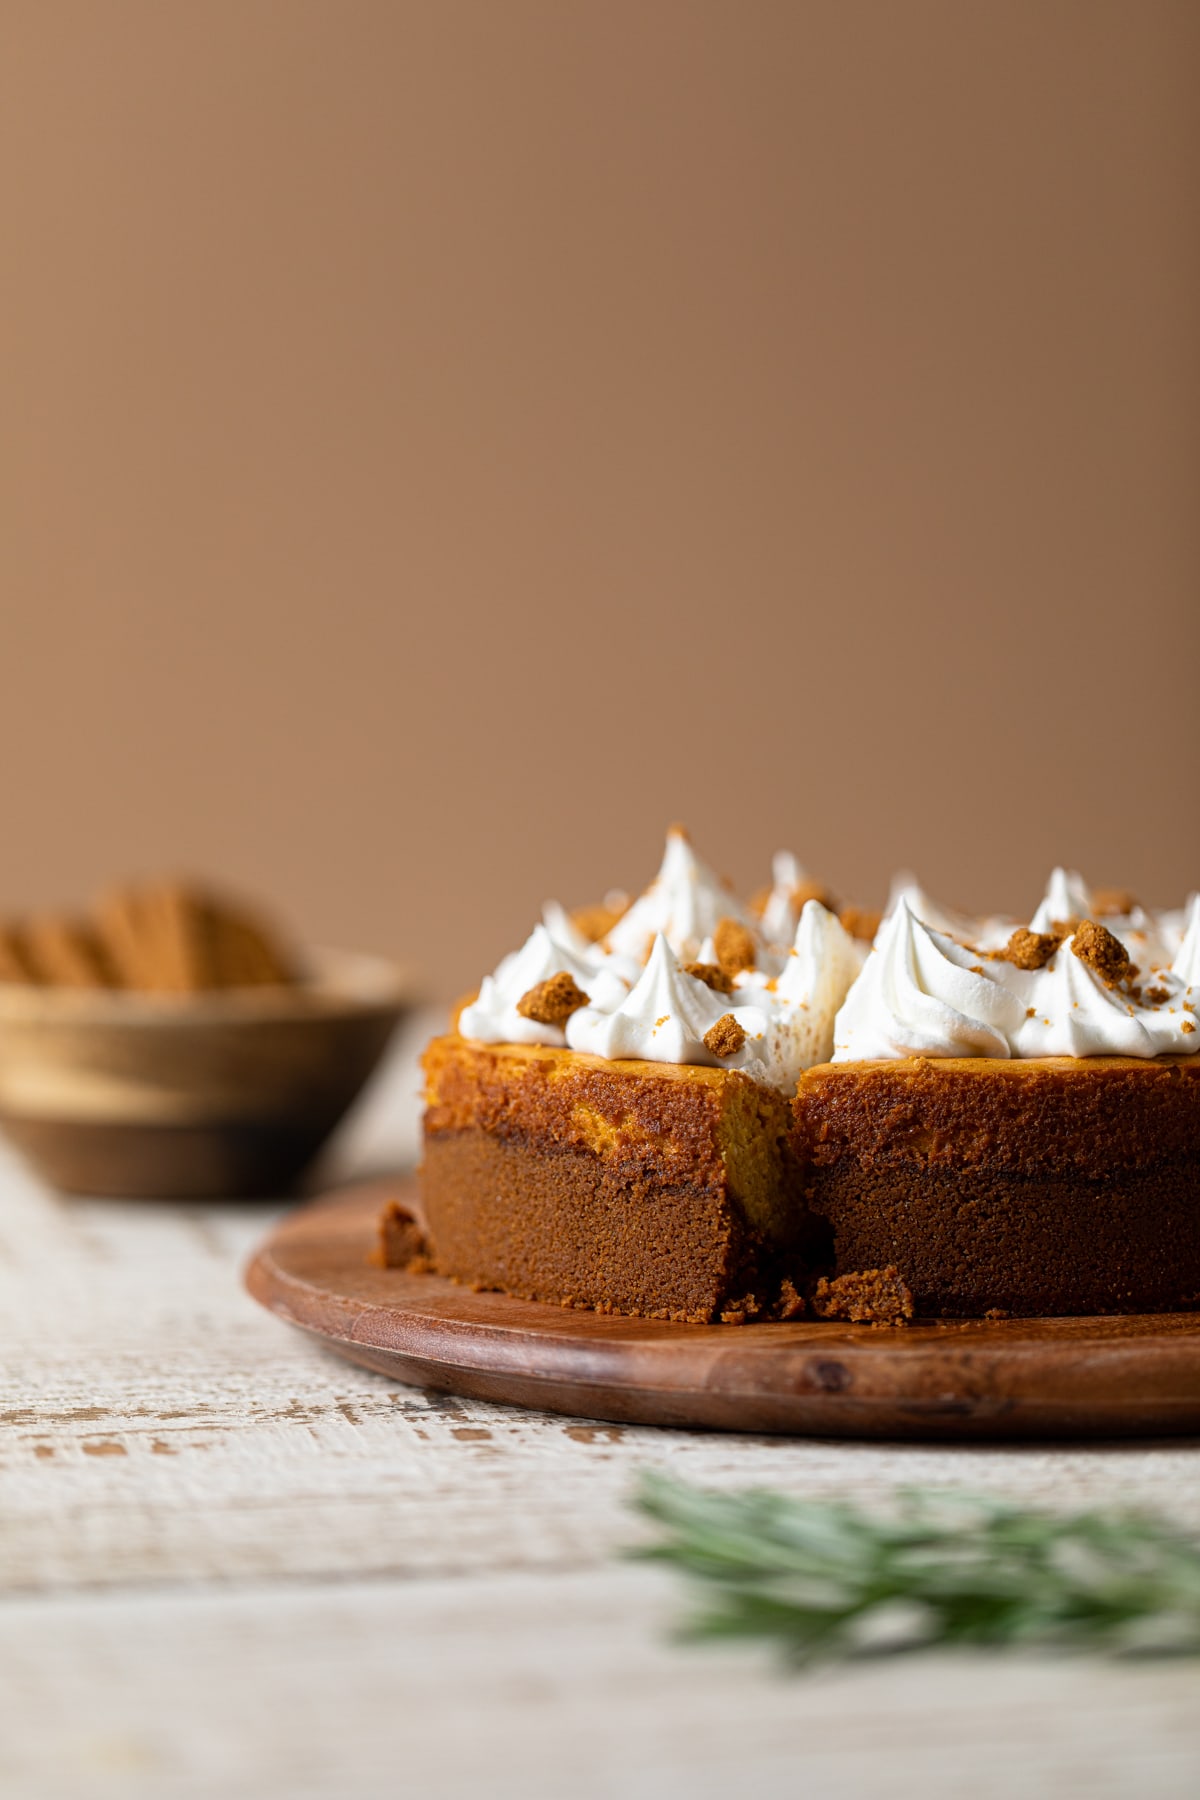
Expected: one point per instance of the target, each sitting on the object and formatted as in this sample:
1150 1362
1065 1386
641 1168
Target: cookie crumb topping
1115 902
712 975
734 946
861 922
595 922
1096 946
1028 949
865 1297
726 1037
553 1001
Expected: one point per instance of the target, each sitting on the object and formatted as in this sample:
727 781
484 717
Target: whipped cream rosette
1071 1011
921 993
684 903
493 1016
641 1001
982 932
666 1017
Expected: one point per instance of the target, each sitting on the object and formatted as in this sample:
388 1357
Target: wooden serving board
1020 1378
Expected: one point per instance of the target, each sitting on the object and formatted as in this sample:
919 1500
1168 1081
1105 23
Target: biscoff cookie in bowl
170 1041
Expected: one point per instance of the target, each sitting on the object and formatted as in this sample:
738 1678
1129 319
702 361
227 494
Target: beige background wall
444 442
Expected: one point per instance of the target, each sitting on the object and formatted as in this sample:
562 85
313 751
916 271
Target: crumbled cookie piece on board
402 1243
865 1297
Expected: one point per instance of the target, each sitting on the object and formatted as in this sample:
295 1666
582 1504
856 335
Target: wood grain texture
1104 1377
233 1563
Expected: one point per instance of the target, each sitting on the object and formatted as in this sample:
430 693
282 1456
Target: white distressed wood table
231 1564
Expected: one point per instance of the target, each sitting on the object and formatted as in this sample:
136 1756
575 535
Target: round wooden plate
1019 1378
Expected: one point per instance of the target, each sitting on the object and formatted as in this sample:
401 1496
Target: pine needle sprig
827 1579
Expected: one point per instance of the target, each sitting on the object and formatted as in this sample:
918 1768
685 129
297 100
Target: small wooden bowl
218 1095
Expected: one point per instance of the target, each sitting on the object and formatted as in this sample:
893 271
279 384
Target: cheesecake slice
1030 1186
659 1189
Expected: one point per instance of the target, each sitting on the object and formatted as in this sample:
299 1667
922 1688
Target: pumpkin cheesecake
693 1109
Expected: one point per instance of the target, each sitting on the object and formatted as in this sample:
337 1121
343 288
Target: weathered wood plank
545 1687
231 1562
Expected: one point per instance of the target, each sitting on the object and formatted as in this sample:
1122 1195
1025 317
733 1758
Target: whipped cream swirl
780 915
492 1017
685 903
665 1018
803 1001
647 1006
1185 965
1067 897
1070 1011
922 994
1150 937
1173 923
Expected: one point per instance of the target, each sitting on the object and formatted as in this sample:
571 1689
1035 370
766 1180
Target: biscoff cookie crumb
595 922
740 1312
712 975
804 891
726 1037
1113 903
799 894
553 1001
1028 949
791 1303
865 1297
1096 946
402 1243
861 922
1157 996
734 946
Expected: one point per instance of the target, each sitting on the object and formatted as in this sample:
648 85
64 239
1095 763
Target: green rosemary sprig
825 1579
